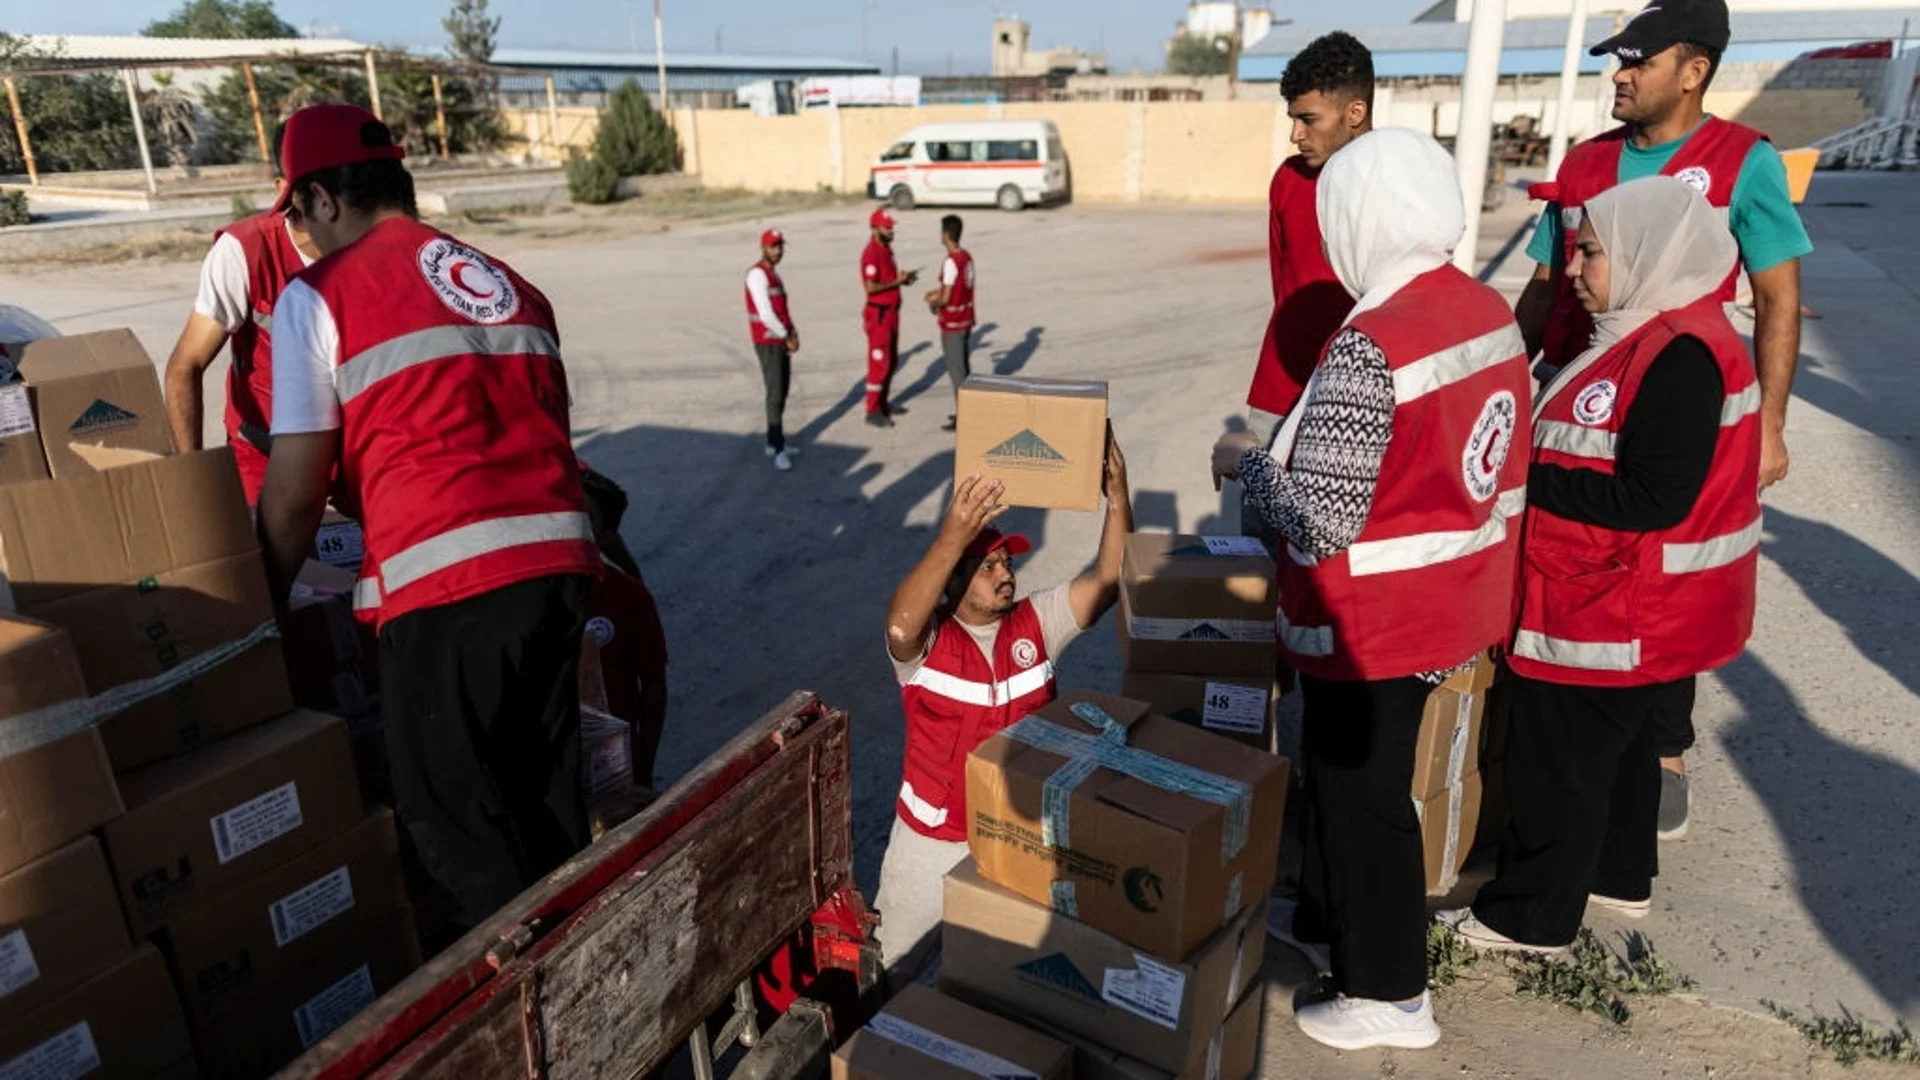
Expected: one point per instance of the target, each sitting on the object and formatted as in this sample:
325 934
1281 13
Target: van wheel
901 197
1010 199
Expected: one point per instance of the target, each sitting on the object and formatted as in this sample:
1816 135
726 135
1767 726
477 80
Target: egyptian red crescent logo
454 275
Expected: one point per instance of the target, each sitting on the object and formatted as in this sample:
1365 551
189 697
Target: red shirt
1309 303
625 622
876 264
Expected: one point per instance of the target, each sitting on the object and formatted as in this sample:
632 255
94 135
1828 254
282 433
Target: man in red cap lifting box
882 279
775 339
429 375
971 659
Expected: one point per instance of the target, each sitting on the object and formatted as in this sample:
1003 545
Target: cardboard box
999 946
56 791
606 753
59 926
276 1023
199 826
925 1035
331 656
149 566
1045 439
291 917
98 400
123 1024
1449 822
1238 1048
21 459
1196 605
1448 747
1238 707
1172 835
1476 679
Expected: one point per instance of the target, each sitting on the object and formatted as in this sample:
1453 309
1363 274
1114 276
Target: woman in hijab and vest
1638 568
1394 486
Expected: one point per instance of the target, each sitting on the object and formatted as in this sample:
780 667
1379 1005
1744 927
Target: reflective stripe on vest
1708 554
1303 640
1434 548
456 546
263 320
1462 361
1590 655
366 592
1574 439
923 811
1740 406
359 374
968 692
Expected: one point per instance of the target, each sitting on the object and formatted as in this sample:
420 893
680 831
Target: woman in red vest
1638 572
1395 489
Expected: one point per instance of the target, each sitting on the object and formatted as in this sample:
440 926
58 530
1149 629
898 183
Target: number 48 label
1231 707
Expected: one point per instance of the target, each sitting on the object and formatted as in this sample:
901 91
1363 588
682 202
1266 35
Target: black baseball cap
1663 24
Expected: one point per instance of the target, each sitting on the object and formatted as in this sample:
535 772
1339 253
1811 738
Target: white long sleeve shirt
759 289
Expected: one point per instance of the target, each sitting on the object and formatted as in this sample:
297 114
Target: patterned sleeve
1320 501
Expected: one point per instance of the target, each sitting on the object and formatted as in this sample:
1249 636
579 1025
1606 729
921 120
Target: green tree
472 121
222 19
1190 55
471 34
633 139
75 122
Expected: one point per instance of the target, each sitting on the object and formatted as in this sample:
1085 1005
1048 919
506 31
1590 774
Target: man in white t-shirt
952 306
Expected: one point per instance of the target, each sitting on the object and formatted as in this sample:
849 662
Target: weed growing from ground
1850 1039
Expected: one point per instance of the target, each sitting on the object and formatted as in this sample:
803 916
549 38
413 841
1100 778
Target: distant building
1462 10
696 80
1015 57
1214 18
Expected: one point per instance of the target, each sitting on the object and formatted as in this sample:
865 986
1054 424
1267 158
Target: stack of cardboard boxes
1447 786
187 869
1196 632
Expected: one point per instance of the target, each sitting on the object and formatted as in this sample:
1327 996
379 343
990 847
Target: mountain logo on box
1027 451
1144 889
1057 972
1205 632
102 415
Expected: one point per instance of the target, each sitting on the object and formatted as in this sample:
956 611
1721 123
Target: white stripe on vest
456 546
1740 406
1431 549
1711 553
925 812
364 369
1462 361
968 692
1303 640
1565 438
1587 655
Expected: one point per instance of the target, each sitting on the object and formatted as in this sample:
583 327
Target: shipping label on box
59 926
98 400
21 458
1448 746
1239 707
1146 828
925 1035
341 543
606 758
1045 439
123 1022
201 825
1030 962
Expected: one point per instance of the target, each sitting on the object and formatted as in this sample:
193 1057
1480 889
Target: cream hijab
1390 210
1666 248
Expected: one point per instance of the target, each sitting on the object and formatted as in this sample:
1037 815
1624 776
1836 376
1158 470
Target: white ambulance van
1012 164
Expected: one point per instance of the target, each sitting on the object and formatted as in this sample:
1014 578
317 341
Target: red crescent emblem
1486 456
453 275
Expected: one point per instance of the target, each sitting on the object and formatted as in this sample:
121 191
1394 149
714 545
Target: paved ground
1797 883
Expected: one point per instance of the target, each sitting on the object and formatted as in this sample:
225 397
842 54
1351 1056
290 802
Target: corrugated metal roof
93 49
1749 28
559 59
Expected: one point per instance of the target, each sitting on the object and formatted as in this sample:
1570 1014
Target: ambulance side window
1013 150
899 151
949 151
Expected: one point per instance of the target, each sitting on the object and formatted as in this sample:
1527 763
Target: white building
1014 54
1214 18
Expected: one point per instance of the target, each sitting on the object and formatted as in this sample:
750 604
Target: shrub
13 208
589 179
633 139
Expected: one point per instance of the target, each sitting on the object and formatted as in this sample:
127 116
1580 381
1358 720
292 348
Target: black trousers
1583 792
776 370
1363 882
957 347
481 702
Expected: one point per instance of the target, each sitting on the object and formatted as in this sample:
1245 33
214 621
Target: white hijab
1390 210
1666 248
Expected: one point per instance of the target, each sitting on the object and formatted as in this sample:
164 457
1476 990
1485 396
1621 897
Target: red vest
957 316
777 297
954 703
876 264
1429 582
1600 607
272 260
1712 156
1309 303
454 431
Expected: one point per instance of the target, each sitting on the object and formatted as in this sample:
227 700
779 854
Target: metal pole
259 122
660 61
1233 57
373 87
1569 78
20 129
1474 140
440 116
553 119
139 129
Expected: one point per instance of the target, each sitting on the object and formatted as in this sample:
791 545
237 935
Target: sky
930 34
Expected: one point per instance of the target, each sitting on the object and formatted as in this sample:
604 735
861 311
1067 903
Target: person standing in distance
429 376
775 340
1669 54
952 305
1329 91
880 276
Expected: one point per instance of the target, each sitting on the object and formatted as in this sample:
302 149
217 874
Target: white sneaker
1280 928
1346 1023
1626 909
1481 936
783 461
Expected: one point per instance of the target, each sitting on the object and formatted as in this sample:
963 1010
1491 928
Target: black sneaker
1676 804
875 419
950 425
896 410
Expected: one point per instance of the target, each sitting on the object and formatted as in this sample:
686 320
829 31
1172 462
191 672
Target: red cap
328 136
772 237
991 540
881 219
